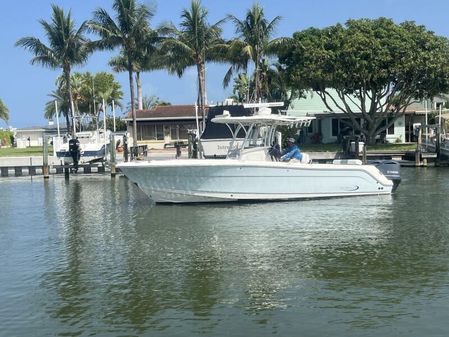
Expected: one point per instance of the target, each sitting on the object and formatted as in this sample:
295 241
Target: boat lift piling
429 149
112 158
418 151
45 168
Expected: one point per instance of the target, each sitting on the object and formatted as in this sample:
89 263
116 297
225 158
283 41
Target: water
91 257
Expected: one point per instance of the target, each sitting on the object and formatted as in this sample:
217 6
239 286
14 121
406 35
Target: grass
369 148
27 152
392 147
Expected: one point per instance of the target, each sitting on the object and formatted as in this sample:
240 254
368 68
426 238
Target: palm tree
149 59
76 85
274 84
254 44
130 26
241 88
63 108
195 43
67 47
3 111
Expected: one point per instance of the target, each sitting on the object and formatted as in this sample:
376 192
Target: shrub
6 138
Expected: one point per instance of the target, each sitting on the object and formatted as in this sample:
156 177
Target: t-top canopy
264 119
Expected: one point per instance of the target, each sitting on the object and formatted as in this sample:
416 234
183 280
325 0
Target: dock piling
45 168
418 149
112 159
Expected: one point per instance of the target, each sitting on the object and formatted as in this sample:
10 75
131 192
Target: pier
28 170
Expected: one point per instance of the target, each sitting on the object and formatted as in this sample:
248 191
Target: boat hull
186 181
89 155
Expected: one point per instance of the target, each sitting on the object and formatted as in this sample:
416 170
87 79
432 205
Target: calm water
91 257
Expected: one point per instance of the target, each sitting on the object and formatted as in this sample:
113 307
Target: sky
24 88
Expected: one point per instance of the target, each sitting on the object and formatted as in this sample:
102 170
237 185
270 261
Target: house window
146 132
184 131
159 132
345 126
390 130
150 132
335 127
174 132
156 131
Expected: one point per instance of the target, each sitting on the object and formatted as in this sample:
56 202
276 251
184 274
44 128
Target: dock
34 170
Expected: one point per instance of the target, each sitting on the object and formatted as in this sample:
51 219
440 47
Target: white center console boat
250 173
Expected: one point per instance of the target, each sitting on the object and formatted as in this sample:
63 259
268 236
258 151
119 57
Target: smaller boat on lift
250 173
92 147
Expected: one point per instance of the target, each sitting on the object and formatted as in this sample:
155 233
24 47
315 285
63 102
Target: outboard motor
390 169
75 152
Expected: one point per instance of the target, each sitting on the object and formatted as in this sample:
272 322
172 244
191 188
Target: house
329 126
34 135
164 124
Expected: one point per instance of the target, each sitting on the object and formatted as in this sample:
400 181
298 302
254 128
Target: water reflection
119 266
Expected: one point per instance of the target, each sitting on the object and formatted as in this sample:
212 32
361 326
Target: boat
250 173
92 145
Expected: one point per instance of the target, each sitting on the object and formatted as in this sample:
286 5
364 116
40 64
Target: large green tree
67 47
126 31
375 68
4 112
195 43
254 44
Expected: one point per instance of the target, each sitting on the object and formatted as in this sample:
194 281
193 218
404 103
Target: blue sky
24 88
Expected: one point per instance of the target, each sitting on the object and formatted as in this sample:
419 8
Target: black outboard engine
75 152
390 169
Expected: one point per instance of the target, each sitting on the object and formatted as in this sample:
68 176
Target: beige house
164 124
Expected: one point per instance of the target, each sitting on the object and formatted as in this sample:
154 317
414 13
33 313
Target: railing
138 151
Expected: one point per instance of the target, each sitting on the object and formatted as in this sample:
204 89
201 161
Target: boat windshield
258 135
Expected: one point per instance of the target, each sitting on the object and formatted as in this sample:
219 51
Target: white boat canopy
264 119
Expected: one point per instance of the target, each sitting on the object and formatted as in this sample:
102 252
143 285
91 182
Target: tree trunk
256 79
133 109
202 92
67 121
139 91
371 137
71 105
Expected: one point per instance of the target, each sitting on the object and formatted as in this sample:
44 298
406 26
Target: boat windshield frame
260 131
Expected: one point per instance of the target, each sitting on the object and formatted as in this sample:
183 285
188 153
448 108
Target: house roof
46 128
165 112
